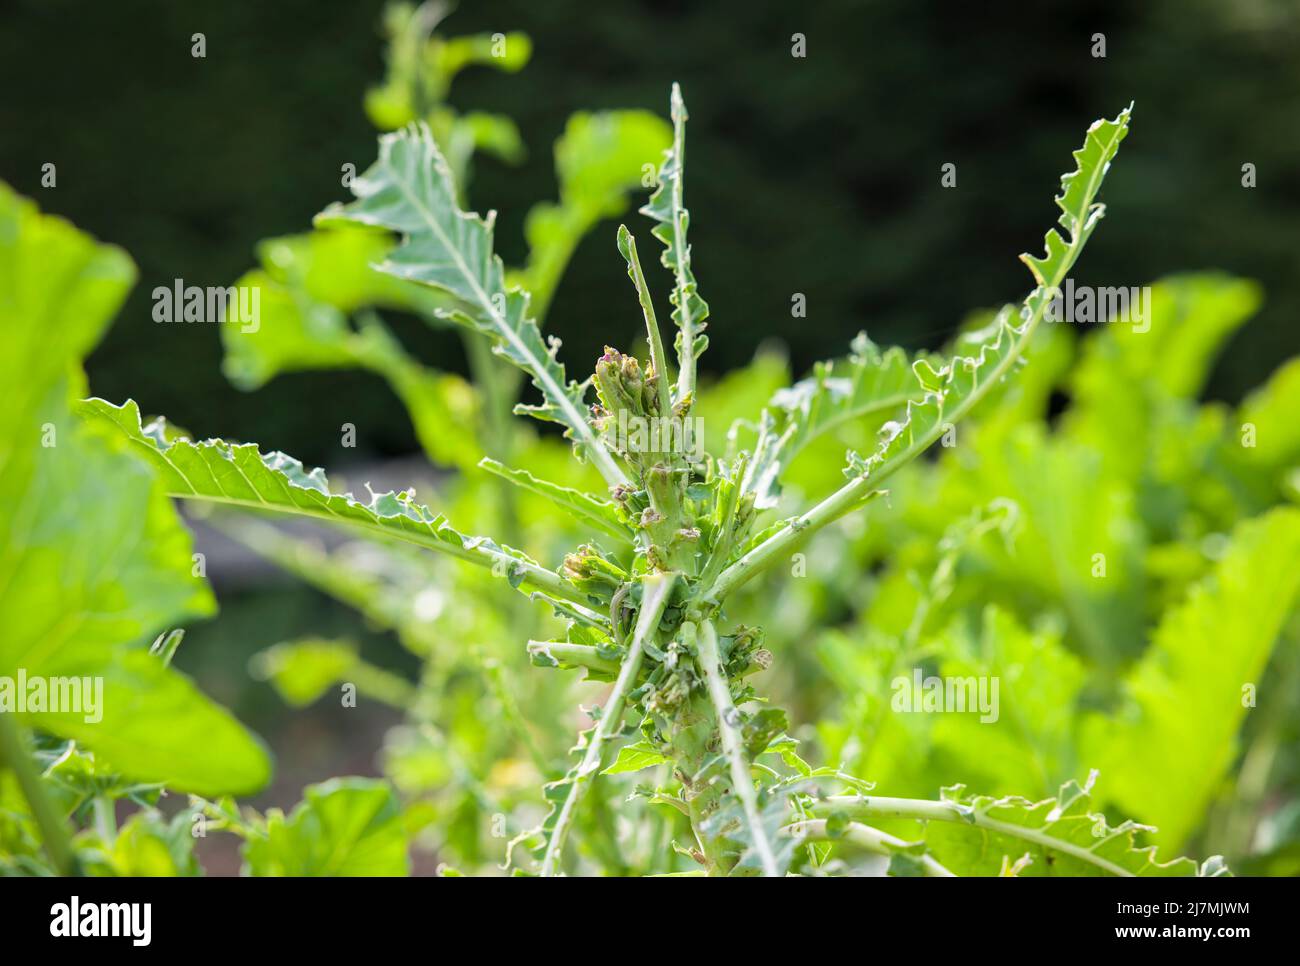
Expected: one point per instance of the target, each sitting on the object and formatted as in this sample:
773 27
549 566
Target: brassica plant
675 528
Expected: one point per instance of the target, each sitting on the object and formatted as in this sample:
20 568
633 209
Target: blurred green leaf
1029 744
1166 751
147 845
303 670
1269 414
95 562
599 159
343 827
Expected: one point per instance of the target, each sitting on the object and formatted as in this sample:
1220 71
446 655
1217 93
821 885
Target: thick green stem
54 832
732 742
657 589
497 398
864 837
728 529
105 818
843 501
566 655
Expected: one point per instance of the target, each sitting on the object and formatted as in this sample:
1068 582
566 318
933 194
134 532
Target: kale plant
674 535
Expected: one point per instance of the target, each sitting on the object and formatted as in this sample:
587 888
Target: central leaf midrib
539 368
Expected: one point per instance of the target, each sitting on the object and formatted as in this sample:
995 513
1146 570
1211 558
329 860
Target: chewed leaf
1061 836
666 207
1079 215
410 190
241 475
951 392
868 383
964 381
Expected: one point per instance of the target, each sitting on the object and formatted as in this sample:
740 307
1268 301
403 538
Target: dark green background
818 175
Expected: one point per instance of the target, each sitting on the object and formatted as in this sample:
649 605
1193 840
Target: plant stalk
929 811
854 493
657 589
686 378
54 832
732 743
627 245
865 837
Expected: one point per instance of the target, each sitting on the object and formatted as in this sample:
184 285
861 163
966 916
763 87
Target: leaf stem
732 743
854 494
627 246
931 811
54 833
686 378
1062 255
573 655
105 818
844 500
865 837
657 589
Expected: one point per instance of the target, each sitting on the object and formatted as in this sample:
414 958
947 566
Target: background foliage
845 145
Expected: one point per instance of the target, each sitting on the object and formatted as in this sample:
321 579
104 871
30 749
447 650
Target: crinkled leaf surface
1166 752
666 207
